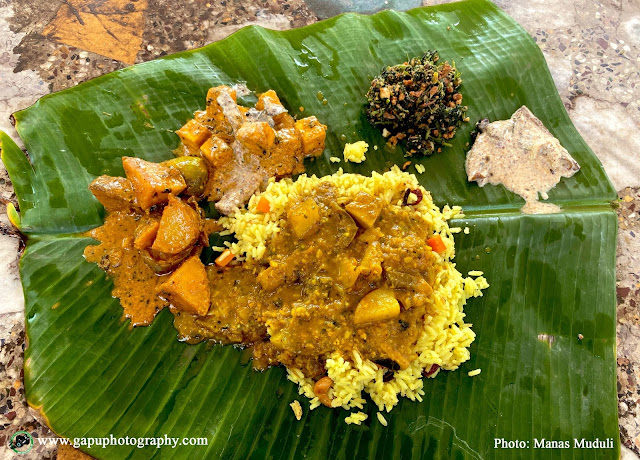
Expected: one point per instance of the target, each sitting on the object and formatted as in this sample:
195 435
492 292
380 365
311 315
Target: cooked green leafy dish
419 100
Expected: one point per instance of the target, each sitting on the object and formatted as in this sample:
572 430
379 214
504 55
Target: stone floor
592 48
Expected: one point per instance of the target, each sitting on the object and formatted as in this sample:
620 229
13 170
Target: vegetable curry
342 274
339 276
244 147
155 230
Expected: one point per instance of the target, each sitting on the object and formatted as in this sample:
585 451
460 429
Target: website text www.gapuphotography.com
22 442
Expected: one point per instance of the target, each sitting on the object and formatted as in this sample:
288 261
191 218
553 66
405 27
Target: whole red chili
417 192
431 371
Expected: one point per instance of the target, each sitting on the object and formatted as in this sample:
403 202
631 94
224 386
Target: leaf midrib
469 213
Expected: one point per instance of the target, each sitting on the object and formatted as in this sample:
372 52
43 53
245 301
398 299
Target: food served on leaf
355 152
419 102
155 224
347 281
243 147
88 375
521 154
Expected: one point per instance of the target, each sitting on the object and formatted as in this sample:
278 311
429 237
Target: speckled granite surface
14 412
628 290
592 48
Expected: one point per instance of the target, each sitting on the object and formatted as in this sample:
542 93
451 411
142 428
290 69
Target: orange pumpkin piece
270 100
313 134
256 137
187 288
217 152
152 182
145 234
193 134
114 193
288 151
179 228
269 95
213 107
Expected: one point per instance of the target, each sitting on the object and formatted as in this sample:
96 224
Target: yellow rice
355 152
445 338
356 418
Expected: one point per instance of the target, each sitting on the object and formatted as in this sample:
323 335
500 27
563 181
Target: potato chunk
304 217
371 265
284 121
180 226
256 137
187 288
114 193
378 305
152 182
313 134
347 272
193 134
365 209
272 278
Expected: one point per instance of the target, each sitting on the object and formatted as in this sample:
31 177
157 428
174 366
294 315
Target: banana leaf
552 276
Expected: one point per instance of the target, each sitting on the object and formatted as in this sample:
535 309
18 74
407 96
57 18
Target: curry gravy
297 306
134 281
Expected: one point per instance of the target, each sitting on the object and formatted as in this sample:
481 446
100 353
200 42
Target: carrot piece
263 205
437 244
223 259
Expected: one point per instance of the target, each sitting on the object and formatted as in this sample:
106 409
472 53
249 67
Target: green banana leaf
552 276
